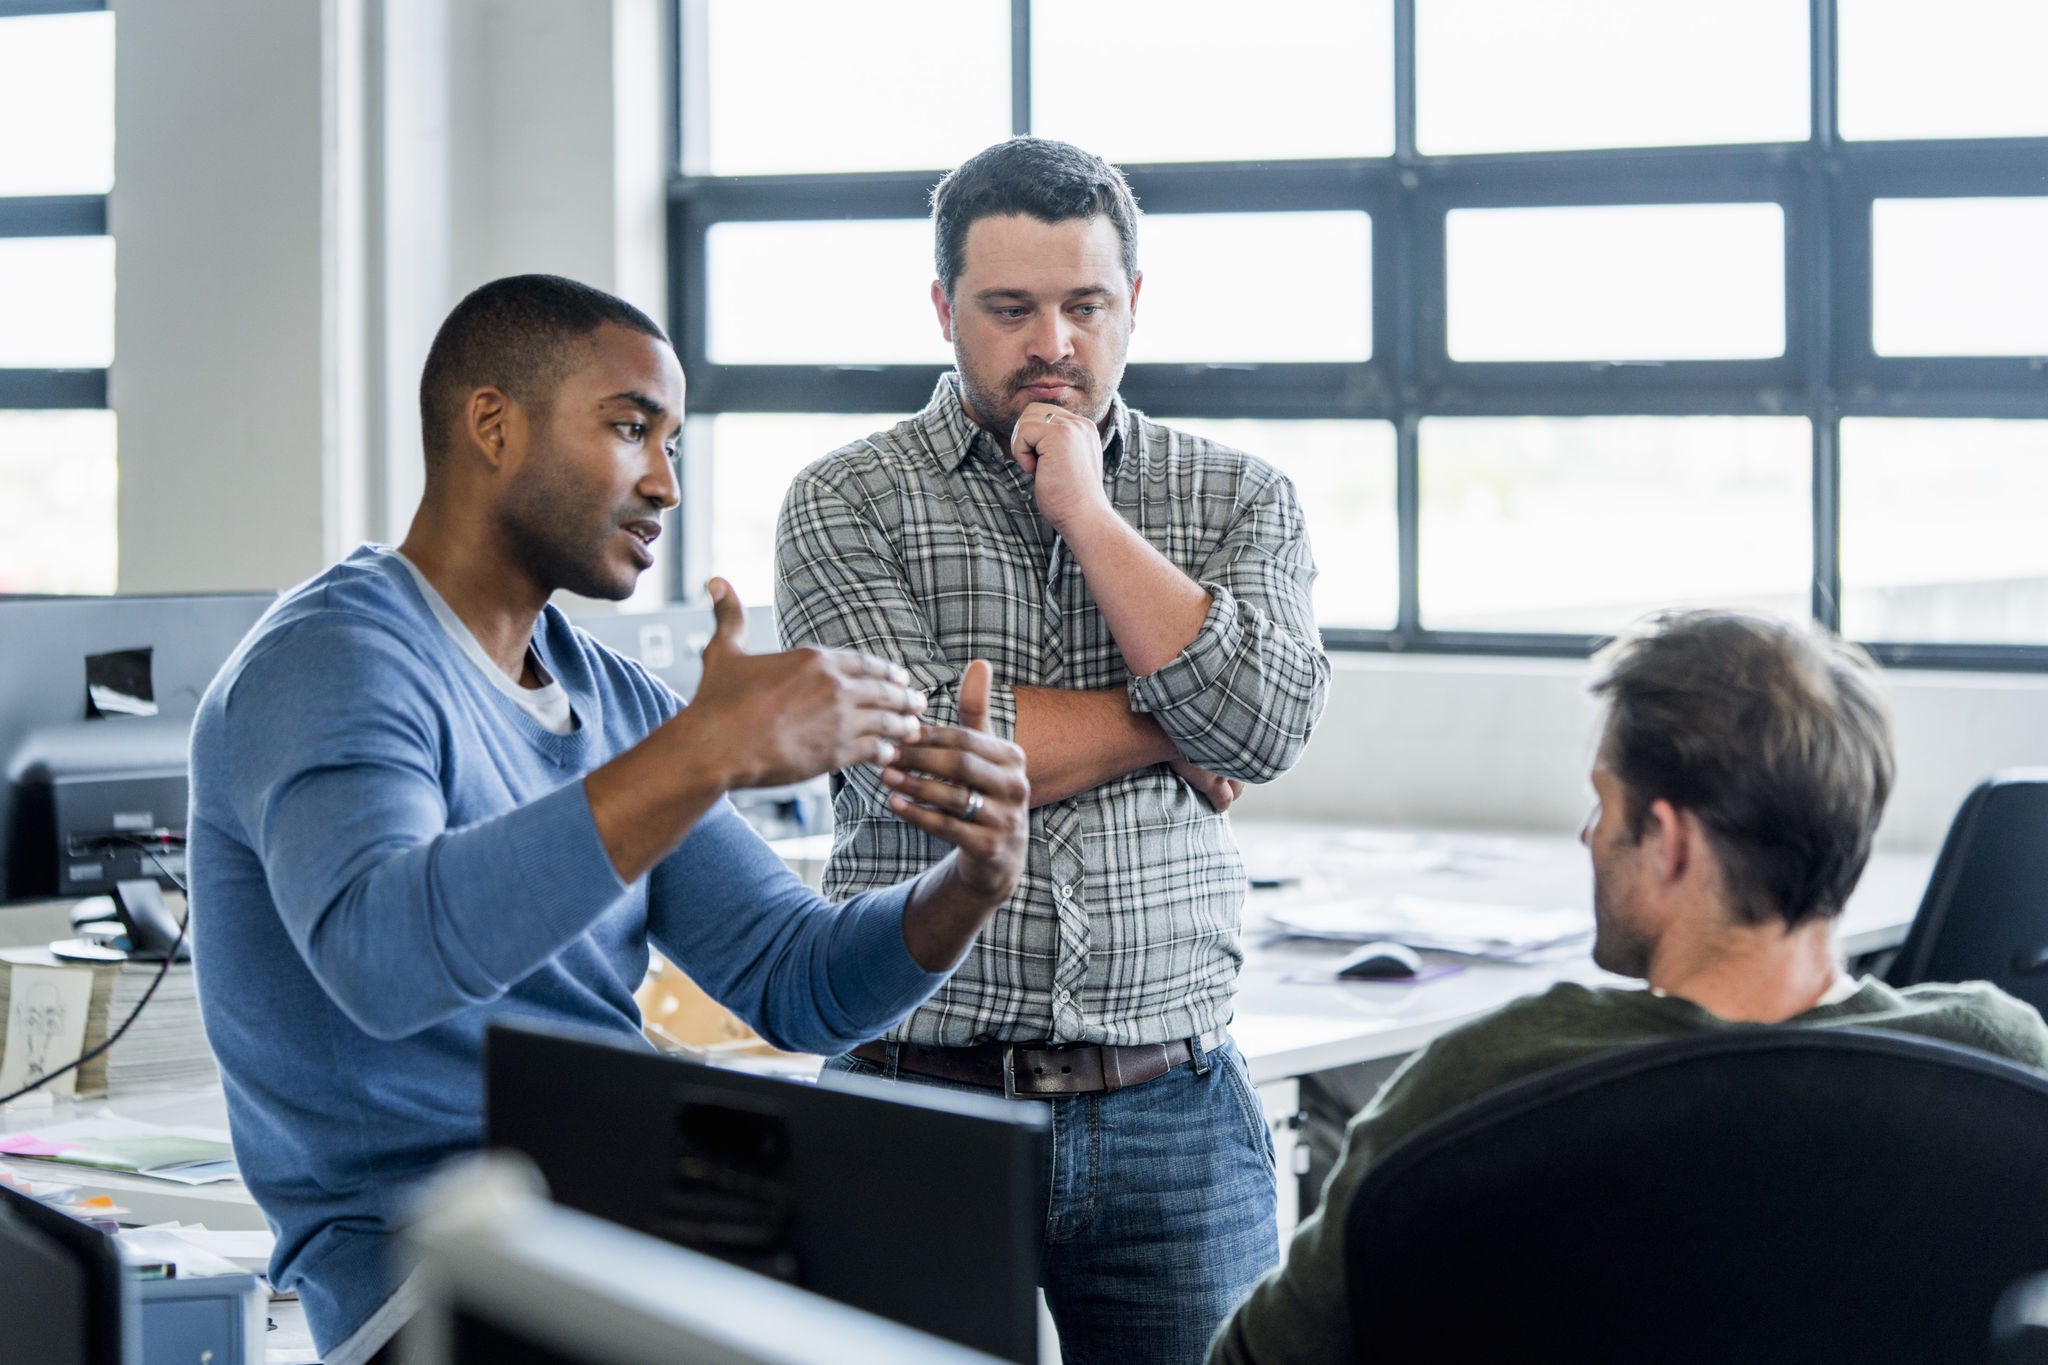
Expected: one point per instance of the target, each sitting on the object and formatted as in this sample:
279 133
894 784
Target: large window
57 521
1555 314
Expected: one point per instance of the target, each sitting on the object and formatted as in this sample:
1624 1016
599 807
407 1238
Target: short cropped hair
518 334
1775 736
1053 182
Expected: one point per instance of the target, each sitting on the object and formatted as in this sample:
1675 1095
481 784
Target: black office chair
1985 914
1775 1194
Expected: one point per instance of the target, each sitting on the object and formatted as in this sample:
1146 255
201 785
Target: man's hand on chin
966 786
1062 451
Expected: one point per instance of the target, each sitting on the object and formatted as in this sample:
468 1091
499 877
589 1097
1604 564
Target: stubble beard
996 409
1617 947
543 526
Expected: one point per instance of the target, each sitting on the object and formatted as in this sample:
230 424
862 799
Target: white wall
219 375
1505 744
303 190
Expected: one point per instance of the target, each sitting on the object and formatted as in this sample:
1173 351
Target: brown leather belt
1043 1068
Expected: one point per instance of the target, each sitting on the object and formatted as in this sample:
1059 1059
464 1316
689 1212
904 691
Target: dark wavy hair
1050 181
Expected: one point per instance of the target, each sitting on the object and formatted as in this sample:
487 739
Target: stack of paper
1506 933
167 1045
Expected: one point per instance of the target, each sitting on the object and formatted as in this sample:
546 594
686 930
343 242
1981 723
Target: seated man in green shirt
1741 772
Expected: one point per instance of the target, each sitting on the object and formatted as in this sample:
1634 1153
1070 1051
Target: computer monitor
920 1205
505 1278
670 640
62 1295
96 702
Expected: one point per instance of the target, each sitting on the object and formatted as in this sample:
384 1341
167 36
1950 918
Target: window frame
1824 187
52 215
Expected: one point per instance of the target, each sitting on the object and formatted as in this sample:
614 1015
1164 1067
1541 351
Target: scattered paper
182 1156
248 1249
1504 932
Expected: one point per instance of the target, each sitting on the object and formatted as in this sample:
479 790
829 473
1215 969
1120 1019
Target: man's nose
660 483
1053 337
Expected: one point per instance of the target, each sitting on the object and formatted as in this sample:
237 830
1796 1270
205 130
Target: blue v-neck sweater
387 854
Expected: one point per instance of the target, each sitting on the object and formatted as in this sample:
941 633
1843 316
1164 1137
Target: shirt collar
954 435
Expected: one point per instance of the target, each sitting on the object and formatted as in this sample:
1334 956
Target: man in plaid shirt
1143 595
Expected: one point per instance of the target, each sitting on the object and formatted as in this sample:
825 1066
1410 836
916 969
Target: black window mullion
54 215
1407 281
1827 520
1812 288
22 9
1825 189
1020 67
49 389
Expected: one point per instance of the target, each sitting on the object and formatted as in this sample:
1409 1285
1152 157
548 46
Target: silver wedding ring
973 806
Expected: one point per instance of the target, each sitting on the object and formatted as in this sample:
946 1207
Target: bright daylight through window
57 471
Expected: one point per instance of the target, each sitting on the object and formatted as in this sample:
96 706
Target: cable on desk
149 847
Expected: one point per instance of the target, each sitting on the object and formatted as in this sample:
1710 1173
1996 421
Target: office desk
1287 1028
226 1206
1291 1029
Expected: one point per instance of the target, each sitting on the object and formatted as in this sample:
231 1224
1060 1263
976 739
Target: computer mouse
1380 962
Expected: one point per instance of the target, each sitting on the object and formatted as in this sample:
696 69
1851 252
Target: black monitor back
920 1205
53 751
61 1292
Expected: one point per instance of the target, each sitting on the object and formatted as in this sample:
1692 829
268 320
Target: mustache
1041 371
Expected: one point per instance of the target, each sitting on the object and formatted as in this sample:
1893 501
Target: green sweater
1298 1313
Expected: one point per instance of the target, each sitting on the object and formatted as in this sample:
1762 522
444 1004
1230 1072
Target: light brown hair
1775 736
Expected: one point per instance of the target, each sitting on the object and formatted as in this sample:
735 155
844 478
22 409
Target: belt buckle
1009 1071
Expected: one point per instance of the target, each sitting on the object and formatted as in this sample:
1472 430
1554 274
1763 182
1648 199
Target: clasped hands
794 715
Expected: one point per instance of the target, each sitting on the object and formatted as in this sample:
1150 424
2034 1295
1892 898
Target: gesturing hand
968 787
1220 792
1063 453
783 718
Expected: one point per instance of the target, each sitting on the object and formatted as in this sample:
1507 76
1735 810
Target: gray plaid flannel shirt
922 544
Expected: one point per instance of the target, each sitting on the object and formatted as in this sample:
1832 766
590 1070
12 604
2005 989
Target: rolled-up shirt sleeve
1243 697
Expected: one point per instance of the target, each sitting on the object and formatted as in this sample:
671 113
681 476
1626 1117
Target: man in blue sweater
423 801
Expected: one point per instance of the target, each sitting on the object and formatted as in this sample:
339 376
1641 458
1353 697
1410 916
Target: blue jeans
1162 1210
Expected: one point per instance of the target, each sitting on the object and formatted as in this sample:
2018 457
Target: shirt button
1063 997
1066 893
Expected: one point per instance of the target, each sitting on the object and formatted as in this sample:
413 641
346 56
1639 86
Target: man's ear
943 306
487 421
1672 840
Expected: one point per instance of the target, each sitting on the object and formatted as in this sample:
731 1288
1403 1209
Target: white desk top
225 1206
1291 1028
1286 1028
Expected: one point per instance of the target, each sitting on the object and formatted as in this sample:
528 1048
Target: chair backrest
1774 1194
1985 914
